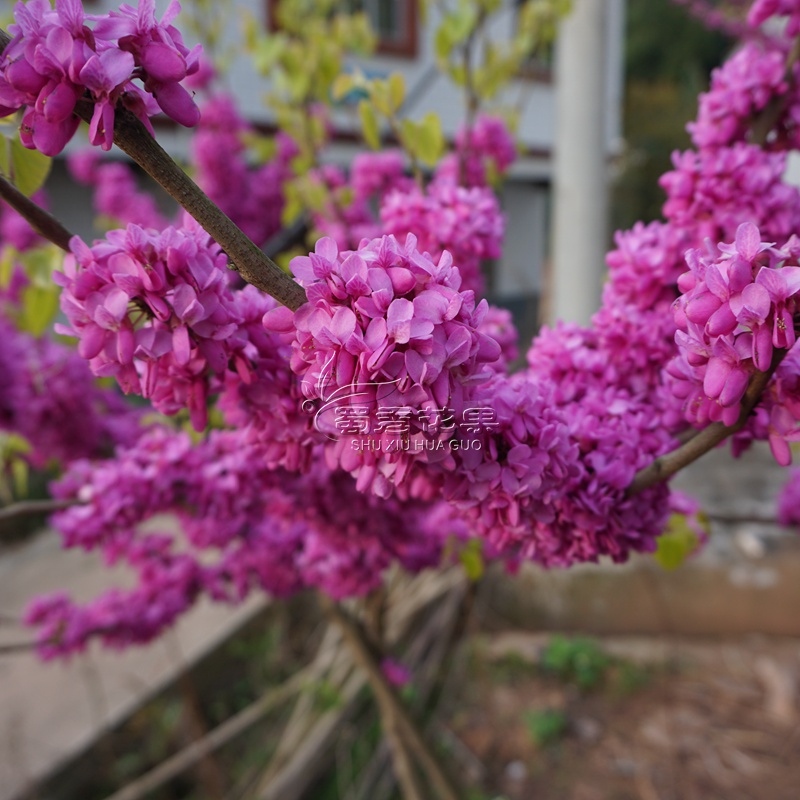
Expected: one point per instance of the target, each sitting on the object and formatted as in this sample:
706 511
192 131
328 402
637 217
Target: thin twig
213 741
388 702
44 223
741 519
17 647
664 467
30 508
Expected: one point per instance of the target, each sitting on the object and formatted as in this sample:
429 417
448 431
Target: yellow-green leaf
471 558
5 155
397 91
39 307
442 43
369 124
19 477
342 86
676 544
29 168
430 140
7 266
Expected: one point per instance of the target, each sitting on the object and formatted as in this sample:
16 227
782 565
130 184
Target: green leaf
545 726
39 307
472 560
7 266
29 168
379 94
342 86
267 53
676 544
12 444
397 91
19 477
5 155
369 123
430 140
443 44
461 23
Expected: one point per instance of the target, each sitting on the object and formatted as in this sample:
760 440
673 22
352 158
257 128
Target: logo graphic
356 410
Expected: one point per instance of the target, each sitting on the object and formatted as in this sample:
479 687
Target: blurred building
406 45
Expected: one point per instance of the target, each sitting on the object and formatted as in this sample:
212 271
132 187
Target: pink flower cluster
737 308
373 175
117 197
526 460
614 413
346 215
465 222
251 197
244 527
55 57
269 408
483 153
154 310
646 264
15 230
740 88
385 327
617 434
762 10
498 324
711 193
50 398
726 18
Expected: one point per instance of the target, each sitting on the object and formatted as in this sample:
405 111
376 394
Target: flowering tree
363 412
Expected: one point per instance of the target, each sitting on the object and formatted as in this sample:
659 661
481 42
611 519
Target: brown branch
213 741
30 508
393 711
253 265
666 466
44 223
741 519
17 647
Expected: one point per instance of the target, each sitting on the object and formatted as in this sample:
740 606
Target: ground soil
668 720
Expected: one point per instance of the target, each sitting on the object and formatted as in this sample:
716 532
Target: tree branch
230 729
44 223
392 709
666 466
30 508
255 267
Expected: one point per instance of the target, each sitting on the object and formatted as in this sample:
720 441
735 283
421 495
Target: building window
394 22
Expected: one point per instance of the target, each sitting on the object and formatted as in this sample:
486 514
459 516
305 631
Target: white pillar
580 219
